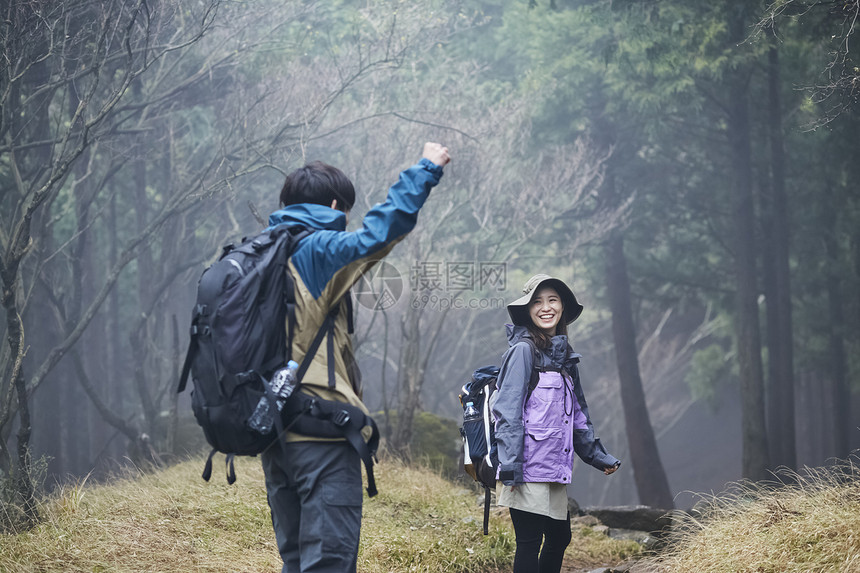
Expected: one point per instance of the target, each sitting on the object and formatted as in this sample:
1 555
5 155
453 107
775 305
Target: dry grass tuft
166 521
807 523
174 521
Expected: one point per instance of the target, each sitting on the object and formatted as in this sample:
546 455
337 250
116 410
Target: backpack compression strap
189 356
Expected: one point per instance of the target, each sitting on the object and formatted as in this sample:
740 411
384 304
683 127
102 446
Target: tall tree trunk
82 192
24 485
648 473
17 247
116 397
48 403
146 280
781 422
837 376
851 426
755 458
804 422
409 376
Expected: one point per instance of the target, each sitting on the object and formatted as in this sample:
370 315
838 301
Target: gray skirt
543 498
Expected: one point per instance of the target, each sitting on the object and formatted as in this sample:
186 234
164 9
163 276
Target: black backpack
480 452
238 339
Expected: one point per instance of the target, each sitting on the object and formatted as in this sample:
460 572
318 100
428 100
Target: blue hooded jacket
330 260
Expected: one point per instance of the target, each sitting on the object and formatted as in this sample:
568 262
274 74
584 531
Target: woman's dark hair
318 183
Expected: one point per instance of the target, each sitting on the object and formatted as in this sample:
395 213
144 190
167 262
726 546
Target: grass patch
809 526
166 521
590 548
172 520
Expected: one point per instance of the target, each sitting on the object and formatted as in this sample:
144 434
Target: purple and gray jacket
536 438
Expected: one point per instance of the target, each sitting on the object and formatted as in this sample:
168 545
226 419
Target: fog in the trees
665 159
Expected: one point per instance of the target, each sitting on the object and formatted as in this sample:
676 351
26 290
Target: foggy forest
690 168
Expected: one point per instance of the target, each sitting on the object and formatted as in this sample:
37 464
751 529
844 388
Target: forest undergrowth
172 520
803 522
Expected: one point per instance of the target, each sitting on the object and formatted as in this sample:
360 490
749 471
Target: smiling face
545 309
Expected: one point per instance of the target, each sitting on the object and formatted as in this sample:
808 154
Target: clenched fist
436 153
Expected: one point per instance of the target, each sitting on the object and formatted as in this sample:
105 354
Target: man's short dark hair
318 183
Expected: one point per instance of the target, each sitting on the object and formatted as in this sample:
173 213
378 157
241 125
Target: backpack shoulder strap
326 330
534 378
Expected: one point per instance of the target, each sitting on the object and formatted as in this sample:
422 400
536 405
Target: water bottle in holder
471 413
282 384
473 429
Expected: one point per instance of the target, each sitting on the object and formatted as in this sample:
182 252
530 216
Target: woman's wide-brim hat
519 309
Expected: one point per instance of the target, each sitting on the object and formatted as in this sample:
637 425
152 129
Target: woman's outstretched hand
611 469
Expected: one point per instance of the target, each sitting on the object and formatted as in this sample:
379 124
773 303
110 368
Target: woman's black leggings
531 529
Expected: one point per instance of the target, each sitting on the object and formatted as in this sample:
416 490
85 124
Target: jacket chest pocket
550 387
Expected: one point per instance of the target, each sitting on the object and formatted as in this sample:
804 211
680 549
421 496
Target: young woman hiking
541 419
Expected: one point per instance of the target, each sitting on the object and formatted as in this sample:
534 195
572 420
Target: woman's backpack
480 452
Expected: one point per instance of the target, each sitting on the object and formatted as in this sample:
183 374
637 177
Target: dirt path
625 567
572 567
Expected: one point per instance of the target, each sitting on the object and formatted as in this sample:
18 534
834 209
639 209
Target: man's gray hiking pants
315 496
